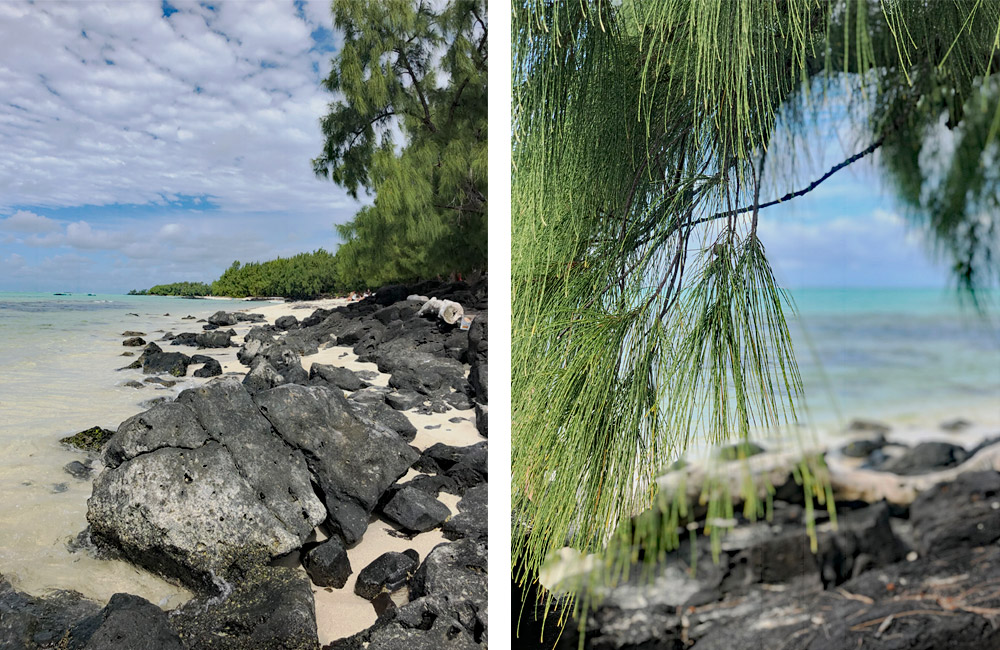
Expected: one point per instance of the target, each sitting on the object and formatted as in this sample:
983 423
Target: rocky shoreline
255 489
912 563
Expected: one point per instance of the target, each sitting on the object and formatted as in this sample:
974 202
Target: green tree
412 69
645 314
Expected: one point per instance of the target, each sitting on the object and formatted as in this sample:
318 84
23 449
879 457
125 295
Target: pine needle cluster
646 317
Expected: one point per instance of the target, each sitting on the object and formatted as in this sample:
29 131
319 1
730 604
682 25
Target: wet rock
354 461
217 339
131 333
387 573
212 368
328 564
127 622
78 470
249 318
268 608
926 457
59 488
133 384
472 519
133 342
221 318
416 510
172 363
336 376
30 623
166 383
91 439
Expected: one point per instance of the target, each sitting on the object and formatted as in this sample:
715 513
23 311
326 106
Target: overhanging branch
791 195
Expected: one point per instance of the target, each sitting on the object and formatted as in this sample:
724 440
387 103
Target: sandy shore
339 612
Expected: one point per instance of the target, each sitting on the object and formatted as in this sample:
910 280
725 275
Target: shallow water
58 361
895 354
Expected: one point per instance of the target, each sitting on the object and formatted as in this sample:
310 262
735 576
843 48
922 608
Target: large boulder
240 496
336 376
188 515
30 622
353 460
217 339
171 424
267 608
964 513
127 622
220 318
172 363
472 520
926 457
327 564
416 510
386 573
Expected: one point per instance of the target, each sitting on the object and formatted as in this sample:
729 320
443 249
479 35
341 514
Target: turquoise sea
59 360
896 353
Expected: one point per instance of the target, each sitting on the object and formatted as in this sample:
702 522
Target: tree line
408 128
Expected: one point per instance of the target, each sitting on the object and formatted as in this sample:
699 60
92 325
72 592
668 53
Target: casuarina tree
409 128
650 137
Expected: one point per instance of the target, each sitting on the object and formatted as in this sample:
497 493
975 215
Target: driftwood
447 310
848 481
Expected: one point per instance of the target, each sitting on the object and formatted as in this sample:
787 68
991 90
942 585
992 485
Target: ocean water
59 357
896 354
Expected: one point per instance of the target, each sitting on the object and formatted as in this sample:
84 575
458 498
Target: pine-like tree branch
791 195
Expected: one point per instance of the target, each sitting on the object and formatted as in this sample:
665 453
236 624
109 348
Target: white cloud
23 221
112 103
877 249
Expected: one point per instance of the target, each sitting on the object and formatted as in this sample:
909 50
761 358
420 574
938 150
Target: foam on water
60 356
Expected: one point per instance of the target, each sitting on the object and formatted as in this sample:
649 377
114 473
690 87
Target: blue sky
145 142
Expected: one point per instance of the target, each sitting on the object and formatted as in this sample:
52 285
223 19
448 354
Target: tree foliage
413 70
176 289
645 314
306 275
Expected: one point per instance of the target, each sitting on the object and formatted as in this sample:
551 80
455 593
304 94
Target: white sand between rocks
339 612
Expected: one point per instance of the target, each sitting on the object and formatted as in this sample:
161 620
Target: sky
145 143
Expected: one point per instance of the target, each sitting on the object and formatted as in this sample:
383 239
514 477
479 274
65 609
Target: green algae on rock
91 439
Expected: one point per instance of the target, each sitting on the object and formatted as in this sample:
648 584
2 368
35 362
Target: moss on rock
91 439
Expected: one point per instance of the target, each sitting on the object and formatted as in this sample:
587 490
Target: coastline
338 613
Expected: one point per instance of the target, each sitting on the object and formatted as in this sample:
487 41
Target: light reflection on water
58 375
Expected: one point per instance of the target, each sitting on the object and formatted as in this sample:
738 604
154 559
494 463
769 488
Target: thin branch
791 195
360 132
416 86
